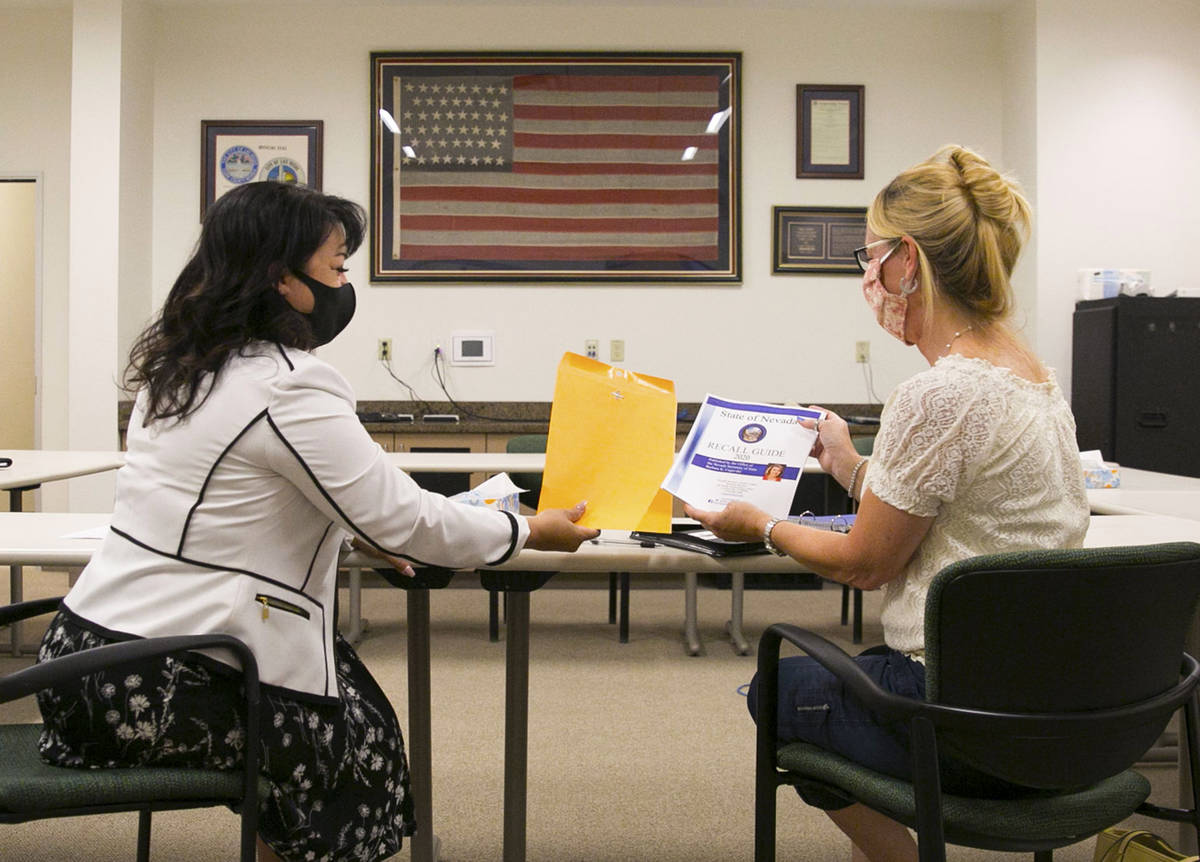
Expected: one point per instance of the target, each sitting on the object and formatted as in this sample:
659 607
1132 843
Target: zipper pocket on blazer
269 602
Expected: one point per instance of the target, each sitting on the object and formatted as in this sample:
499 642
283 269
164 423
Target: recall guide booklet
742 450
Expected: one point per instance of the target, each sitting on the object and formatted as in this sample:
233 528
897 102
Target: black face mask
332 308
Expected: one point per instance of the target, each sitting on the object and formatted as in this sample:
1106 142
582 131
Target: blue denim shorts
815 707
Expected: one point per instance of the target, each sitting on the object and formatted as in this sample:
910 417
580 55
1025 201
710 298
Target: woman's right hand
556 530
834 449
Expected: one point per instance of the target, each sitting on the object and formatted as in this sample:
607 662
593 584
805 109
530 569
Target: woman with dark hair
246 473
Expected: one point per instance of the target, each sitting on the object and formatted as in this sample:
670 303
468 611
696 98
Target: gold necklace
954 338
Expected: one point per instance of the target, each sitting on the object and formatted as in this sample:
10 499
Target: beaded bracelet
854 476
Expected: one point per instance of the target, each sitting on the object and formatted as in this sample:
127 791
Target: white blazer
231 521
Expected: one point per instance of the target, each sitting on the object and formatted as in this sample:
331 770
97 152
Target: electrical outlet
591 348
384 353
862 351
616 350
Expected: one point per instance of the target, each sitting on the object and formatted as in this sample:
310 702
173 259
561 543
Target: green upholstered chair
33 790
532 482
1052 670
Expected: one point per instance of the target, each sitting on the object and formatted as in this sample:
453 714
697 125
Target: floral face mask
890 309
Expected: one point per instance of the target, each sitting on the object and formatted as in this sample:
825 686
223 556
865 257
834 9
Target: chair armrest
837 662
45 674
10 614
833 659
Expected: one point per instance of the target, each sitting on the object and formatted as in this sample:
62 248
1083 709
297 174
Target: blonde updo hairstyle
968 222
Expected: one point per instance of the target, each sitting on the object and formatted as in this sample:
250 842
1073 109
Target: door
18 261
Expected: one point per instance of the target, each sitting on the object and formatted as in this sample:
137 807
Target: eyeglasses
863 257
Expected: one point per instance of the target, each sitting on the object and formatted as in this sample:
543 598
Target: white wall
1118 125
1099 121
931 77
1019 35
137 168
35 120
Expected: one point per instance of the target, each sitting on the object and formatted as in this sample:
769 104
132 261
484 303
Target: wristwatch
771 546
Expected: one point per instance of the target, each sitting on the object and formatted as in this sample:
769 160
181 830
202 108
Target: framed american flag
565 167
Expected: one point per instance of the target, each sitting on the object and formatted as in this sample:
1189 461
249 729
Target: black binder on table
692 537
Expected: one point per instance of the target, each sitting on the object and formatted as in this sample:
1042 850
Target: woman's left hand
737 522
401 566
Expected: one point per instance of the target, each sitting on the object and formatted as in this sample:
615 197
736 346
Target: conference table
31 468
1145 492
535 462
68 539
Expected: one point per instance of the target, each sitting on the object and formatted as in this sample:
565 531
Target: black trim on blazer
329 498
204 487
218 667
213 566
316 552
512 542
331 679
286 358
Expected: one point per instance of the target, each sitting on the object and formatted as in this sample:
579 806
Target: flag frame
639 227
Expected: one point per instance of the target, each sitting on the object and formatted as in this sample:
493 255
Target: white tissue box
1098 473
1106 476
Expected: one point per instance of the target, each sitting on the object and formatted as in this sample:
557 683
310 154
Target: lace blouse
991 457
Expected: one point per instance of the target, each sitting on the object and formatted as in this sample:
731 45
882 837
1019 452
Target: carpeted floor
636 751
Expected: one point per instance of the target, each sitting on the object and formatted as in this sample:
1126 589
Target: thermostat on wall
472 348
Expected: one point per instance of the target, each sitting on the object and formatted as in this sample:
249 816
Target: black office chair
1052 670
33 790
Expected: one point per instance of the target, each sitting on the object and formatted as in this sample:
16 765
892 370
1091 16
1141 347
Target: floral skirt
338 773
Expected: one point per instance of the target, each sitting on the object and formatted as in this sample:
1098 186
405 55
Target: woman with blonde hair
975 455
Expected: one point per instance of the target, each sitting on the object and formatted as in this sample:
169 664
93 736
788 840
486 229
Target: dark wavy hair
226 296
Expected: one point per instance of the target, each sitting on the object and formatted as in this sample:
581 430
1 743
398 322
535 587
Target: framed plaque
829 131
817 239
236 152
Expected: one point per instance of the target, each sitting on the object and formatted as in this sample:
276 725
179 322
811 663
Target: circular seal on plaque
283 170
239 164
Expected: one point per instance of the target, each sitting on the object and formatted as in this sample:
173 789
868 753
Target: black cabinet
1135 368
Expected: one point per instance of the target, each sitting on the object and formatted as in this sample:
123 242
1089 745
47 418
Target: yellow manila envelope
612 440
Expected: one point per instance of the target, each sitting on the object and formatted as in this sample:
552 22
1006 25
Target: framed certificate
817 239
236 152
829 131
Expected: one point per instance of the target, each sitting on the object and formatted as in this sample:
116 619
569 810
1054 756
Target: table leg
420 733
857 626
623 627
612 597
690 634
15 577
737 585
516 726
354 582
493 616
